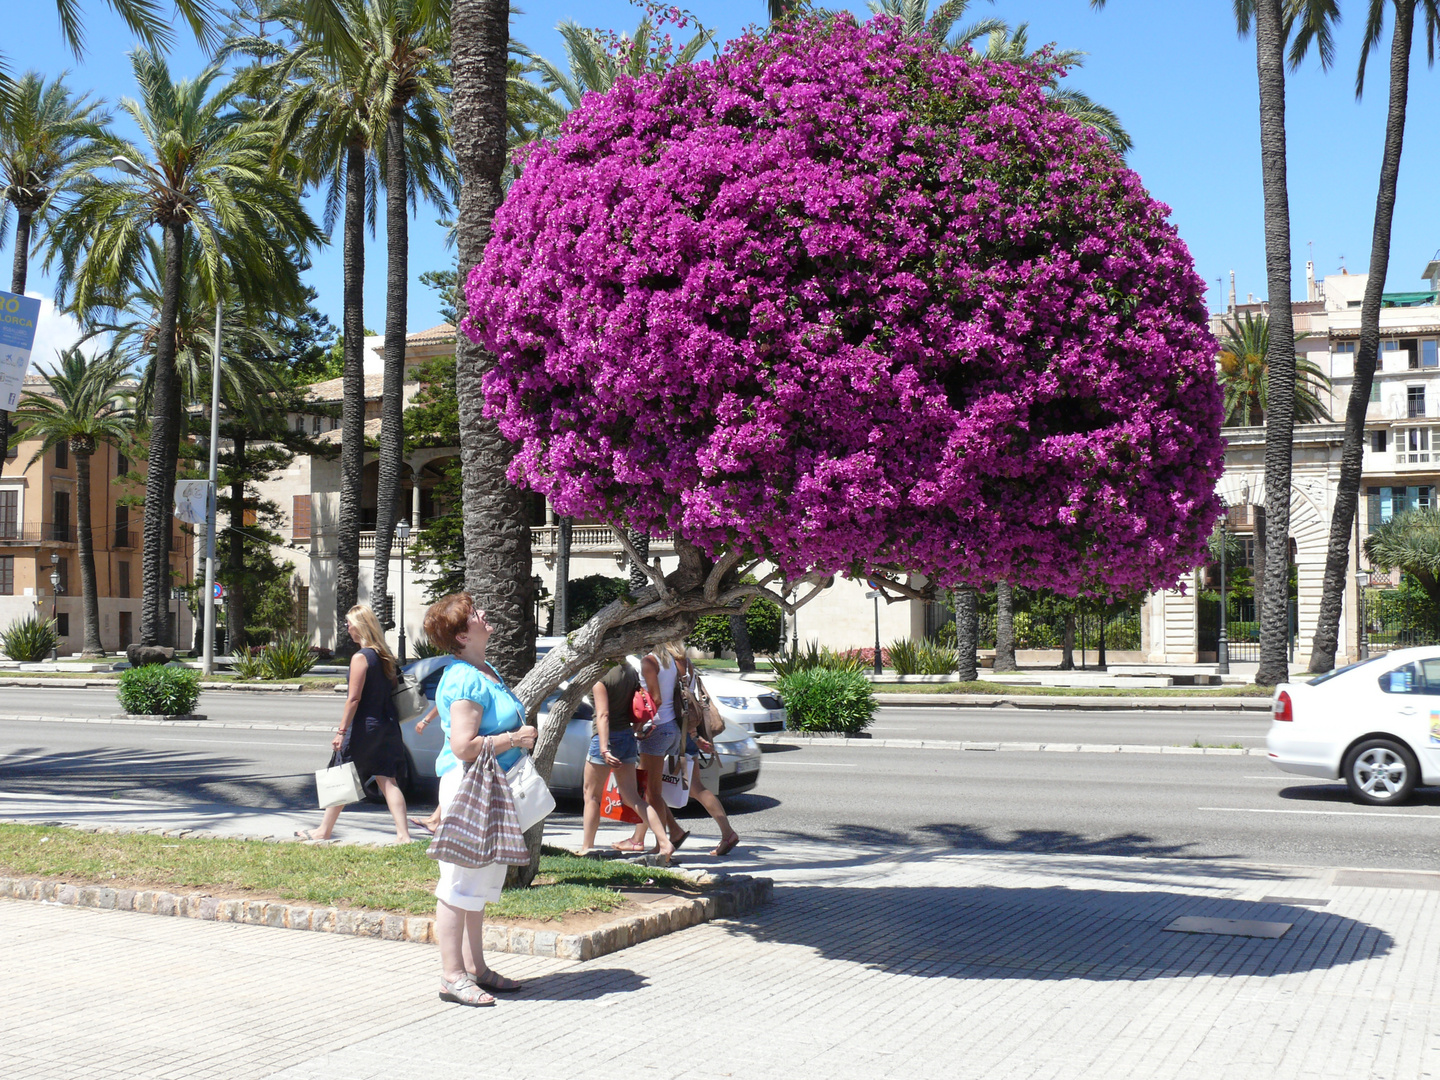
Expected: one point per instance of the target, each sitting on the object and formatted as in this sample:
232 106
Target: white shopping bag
338 785
675 781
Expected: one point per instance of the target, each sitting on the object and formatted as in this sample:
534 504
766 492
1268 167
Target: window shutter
300 518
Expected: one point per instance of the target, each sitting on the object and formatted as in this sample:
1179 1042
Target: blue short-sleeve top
500 710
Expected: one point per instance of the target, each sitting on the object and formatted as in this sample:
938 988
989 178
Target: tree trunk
638 578
18 273
740 639
1100 642
497 525
1280 411
1004 628
89 597
160 466
547 745
1347 497
1067 643
392 404
235 554
352 406
561 622
967 632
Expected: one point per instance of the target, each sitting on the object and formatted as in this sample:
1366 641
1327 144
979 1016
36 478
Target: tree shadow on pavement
989 932
584 984
165 775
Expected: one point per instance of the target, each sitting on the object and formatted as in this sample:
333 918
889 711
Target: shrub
159 689
922 658
764 621
589 595
29 639
248 663
424 649
1033 633
821 699
1123 634
288 657
817 657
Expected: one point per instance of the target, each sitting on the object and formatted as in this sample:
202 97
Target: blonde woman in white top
660 673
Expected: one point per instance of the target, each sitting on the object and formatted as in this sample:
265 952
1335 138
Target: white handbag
675 781
338 785
533 801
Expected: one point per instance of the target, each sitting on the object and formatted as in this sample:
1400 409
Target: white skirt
465 887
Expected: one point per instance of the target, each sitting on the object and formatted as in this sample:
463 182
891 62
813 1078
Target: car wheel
1381 772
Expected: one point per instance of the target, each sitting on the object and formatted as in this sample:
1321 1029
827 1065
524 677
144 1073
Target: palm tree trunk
235 555
392 405
89 598
160 463
967 633
352 406
1067 643
641 543
740 639
1347 496
497 526
1005 627
1280 413
561 621
18 273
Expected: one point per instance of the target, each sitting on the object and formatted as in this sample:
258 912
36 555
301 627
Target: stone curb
1058 701
109 683
170 721
732 896
791 737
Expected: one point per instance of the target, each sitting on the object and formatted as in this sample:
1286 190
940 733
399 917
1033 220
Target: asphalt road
1154 805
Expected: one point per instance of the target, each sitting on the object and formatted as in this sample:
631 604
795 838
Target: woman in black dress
369 732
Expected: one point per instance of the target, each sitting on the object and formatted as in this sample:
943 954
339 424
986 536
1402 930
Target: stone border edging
734 895
822 739
1198 703
80 683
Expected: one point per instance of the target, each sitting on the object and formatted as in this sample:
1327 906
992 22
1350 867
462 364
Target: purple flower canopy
849 302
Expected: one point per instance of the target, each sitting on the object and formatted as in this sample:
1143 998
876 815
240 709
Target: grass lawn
395 878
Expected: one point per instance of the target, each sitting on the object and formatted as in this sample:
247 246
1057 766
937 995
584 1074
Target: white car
739 752
1375 723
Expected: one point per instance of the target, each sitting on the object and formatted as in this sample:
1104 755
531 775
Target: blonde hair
371 636
667 651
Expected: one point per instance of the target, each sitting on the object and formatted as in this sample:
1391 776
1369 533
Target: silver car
736 746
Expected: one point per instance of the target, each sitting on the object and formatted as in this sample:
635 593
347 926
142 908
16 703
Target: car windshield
1341 670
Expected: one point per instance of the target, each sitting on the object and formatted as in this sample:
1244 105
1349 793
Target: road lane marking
1330 813
810 764
240 746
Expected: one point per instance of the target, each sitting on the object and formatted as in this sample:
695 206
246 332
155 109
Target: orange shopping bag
610 804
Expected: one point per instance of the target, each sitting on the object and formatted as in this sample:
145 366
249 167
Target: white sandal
464 991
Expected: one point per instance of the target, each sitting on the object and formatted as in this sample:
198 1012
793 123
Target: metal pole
401 620
207 662
1222 647
877 632
1362 649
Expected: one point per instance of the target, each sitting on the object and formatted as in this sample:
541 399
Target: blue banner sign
19 315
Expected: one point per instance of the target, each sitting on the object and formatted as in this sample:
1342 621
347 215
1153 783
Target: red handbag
643 707
612 807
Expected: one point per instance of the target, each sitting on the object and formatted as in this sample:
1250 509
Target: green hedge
763 620
820 699
159 690
590 595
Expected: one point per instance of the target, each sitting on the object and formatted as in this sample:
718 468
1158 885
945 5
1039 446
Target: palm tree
1244 374
43 130
1004 627
208 172
86 404
919 20
1273 22
1411 541
497 529
327 98
593 68
1347 496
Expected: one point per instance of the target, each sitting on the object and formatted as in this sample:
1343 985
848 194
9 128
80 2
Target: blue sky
1181 80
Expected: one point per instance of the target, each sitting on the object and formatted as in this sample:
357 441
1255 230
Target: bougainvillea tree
838 302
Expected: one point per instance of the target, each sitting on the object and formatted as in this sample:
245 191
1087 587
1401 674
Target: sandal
464 991
725 847
629 846
496 983
676 843
309 835
419 823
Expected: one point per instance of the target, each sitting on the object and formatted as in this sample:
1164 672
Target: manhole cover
1298 901
1196 924
1386 879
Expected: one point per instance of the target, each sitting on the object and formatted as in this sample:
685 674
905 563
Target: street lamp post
1222 647
875 595
402 532
55 611
1362 582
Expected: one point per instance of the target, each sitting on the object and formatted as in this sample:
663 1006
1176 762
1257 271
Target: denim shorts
622 745
664 740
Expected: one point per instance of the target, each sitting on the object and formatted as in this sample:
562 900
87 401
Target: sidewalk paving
871 962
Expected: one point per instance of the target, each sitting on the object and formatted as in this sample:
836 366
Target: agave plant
288 657
29 639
